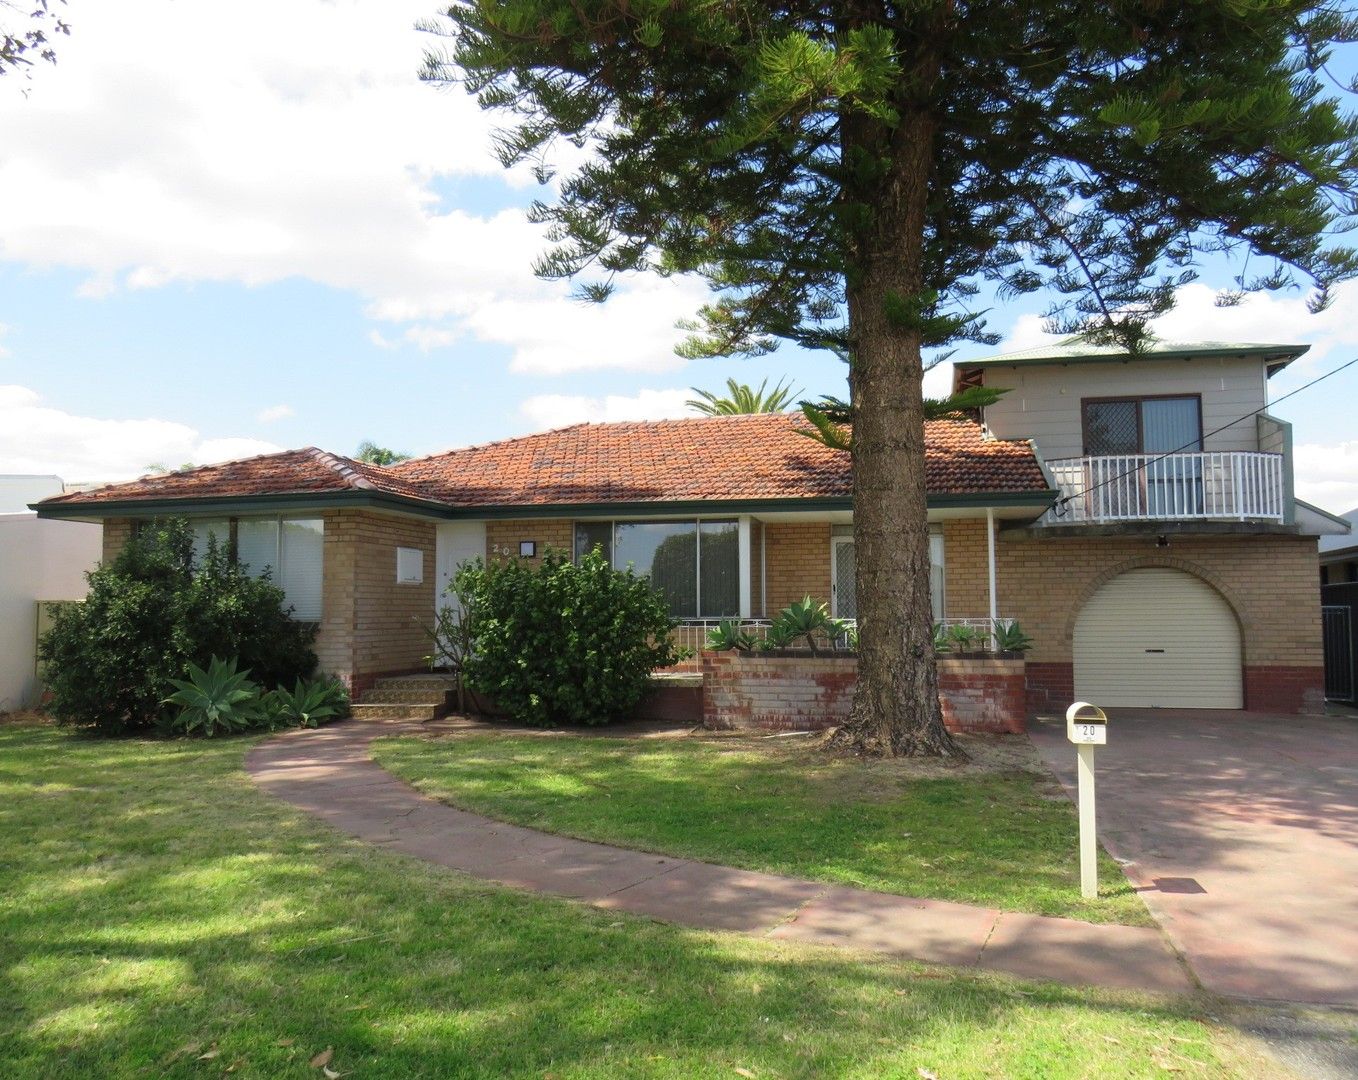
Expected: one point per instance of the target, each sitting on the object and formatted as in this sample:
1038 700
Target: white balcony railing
1230 486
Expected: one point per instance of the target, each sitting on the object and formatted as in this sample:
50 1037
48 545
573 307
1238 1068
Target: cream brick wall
370 625
117 532
502 537
798 562
1269 581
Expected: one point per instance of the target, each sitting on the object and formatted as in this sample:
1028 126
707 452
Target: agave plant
779 636
964 637
728 635
218 700
804 620
1009 637
309 704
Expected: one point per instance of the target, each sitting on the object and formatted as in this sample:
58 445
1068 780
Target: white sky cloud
314 153
1271 317
1327 476
35 438
559 410
274 413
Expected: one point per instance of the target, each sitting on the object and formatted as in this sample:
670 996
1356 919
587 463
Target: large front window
291 549
694 565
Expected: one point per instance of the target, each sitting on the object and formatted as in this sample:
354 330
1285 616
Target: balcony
1234 486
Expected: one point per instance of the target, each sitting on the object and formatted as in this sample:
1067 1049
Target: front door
458 542
843 598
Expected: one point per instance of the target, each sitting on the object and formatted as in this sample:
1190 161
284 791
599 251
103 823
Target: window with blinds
289 550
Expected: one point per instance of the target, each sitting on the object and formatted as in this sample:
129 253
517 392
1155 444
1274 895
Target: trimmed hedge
563 643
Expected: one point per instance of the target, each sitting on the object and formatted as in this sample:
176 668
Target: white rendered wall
39 560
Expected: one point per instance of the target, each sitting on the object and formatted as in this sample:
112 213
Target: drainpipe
990 567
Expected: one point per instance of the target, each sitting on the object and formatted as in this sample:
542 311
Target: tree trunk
896 708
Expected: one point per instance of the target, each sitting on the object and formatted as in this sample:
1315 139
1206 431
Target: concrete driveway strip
328 773
1241 832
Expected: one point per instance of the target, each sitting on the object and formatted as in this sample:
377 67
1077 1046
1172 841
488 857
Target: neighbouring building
40 561
1134 513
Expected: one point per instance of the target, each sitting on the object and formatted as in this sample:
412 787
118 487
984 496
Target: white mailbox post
1087 727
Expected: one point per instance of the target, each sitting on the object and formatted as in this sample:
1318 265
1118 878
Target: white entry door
843 594
458 542
1158 638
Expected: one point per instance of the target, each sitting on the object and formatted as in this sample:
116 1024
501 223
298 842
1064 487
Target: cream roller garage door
1158 639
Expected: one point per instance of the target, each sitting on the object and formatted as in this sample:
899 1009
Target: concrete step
390 695
436 683
390 711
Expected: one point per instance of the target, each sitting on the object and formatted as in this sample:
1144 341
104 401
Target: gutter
272 503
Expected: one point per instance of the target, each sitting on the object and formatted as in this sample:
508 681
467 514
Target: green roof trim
246 504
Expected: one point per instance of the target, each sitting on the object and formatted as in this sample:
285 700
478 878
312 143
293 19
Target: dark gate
1339 618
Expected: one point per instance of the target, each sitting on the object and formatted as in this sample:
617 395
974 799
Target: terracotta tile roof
719 458
759 457
293 472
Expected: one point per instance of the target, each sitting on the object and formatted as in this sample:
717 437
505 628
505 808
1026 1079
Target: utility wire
1060 504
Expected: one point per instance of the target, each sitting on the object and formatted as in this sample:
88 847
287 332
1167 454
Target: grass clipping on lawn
997 830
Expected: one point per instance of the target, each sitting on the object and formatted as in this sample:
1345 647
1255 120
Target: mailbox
1086 725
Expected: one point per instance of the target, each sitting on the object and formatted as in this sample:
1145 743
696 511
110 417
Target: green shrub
563 643
219 700
150 612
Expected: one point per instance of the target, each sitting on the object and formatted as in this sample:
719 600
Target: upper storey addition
1177 433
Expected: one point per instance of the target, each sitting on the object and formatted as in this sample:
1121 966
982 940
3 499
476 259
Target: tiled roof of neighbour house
727 458
309 471
1077 350
756 458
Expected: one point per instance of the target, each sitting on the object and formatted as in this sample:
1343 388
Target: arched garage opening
1158 638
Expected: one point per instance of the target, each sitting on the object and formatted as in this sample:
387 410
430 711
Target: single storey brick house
1154 559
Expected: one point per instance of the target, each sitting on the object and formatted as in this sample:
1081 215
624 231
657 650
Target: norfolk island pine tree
847 175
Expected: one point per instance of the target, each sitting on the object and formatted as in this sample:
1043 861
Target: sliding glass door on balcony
1121 435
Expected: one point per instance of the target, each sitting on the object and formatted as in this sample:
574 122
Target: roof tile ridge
344 466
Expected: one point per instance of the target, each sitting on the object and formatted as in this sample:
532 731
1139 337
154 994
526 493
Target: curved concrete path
329 773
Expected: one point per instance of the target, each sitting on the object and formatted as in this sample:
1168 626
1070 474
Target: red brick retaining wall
1269 688
803 693
1284 689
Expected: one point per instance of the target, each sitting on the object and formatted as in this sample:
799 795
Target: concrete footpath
328 772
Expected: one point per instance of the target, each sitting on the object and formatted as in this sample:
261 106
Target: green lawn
1001 838
160 917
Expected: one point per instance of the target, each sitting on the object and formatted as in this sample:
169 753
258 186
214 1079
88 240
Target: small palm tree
373 454
741 399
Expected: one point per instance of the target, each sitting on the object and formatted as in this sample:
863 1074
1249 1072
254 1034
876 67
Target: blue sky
202 259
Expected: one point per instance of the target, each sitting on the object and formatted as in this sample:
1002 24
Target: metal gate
1337 621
